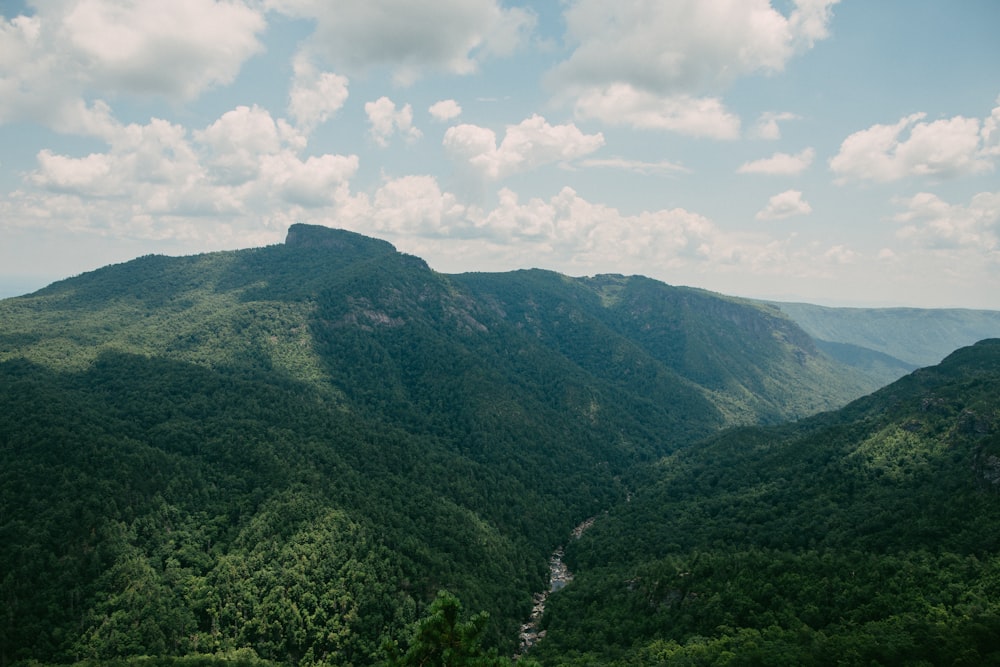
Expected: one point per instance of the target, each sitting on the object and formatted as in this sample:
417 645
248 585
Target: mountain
283 454
868 535
915 336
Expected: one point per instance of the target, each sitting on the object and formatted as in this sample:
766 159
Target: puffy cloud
416 205
386 121
623 104
68 51
237 140
784 205
529 144
589 234
767 125
684 46
932 223
660 65
449 35
912 147
315 96
320 180
157 179
780 164
445 110
991 132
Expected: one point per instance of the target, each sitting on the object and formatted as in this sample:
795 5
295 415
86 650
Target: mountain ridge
182 438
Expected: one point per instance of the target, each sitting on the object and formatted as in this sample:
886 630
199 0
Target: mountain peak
301 235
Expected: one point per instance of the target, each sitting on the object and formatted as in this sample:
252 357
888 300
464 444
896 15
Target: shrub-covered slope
870 535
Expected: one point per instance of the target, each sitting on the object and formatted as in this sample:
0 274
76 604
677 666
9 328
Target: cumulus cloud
624 104
991 132
319 180
409 37
237 140
386 120
565 229
569 233
685 46
767 125
932 223
662 64
416 205
529 144
913 147
314 96
70 51
782 164
445 110
155 180
784 205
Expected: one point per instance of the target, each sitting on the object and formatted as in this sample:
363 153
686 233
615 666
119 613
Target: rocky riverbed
559 577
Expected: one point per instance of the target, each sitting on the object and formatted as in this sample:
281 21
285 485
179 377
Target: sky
835 152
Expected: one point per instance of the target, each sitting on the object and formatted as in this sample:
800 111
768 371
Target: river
559 577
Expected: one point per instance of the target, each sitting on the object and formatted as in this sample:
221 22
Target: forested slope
287 451
869 535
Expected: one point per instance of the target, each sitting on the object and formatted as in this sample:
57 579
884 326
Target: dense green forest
869 535
323 452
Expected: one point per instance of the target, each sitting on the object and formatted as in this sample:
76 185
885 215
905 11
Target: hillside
285 452
915 336
869 535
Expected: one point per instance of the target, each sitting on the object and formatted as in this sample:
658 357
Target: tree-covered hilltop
869 535
282 455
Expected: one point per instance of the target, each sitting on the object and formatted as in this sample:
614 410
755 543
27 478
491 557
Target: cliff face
316 236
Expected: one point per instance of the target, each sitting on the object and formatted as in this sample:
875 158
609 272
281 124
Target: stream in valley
559 577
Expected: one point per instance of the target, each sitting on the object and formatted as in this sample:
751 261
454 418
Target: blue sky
842 153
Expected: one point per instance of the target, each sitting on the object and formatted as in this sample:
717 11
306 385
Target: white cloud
930 222
991 132
320 180
565 232
782 164
314 96
841 254
529 144
661 65
767 125
416 205
637 166
386 121
156 180
70 51
912 147
236 142
449 35
684 46
445 110
623 104
784 205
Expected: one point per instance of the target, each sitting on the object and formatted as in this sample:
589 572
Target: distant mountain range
280 455
916 336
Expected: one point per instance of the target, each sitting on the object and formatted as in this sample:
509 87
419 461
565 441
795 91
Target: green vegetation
323 453
866 536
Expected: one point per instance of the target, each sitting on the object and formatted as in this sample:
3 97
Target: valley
325 453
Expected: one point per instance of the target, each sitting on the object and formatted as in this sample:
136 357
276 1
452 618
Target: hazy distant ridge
918 336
